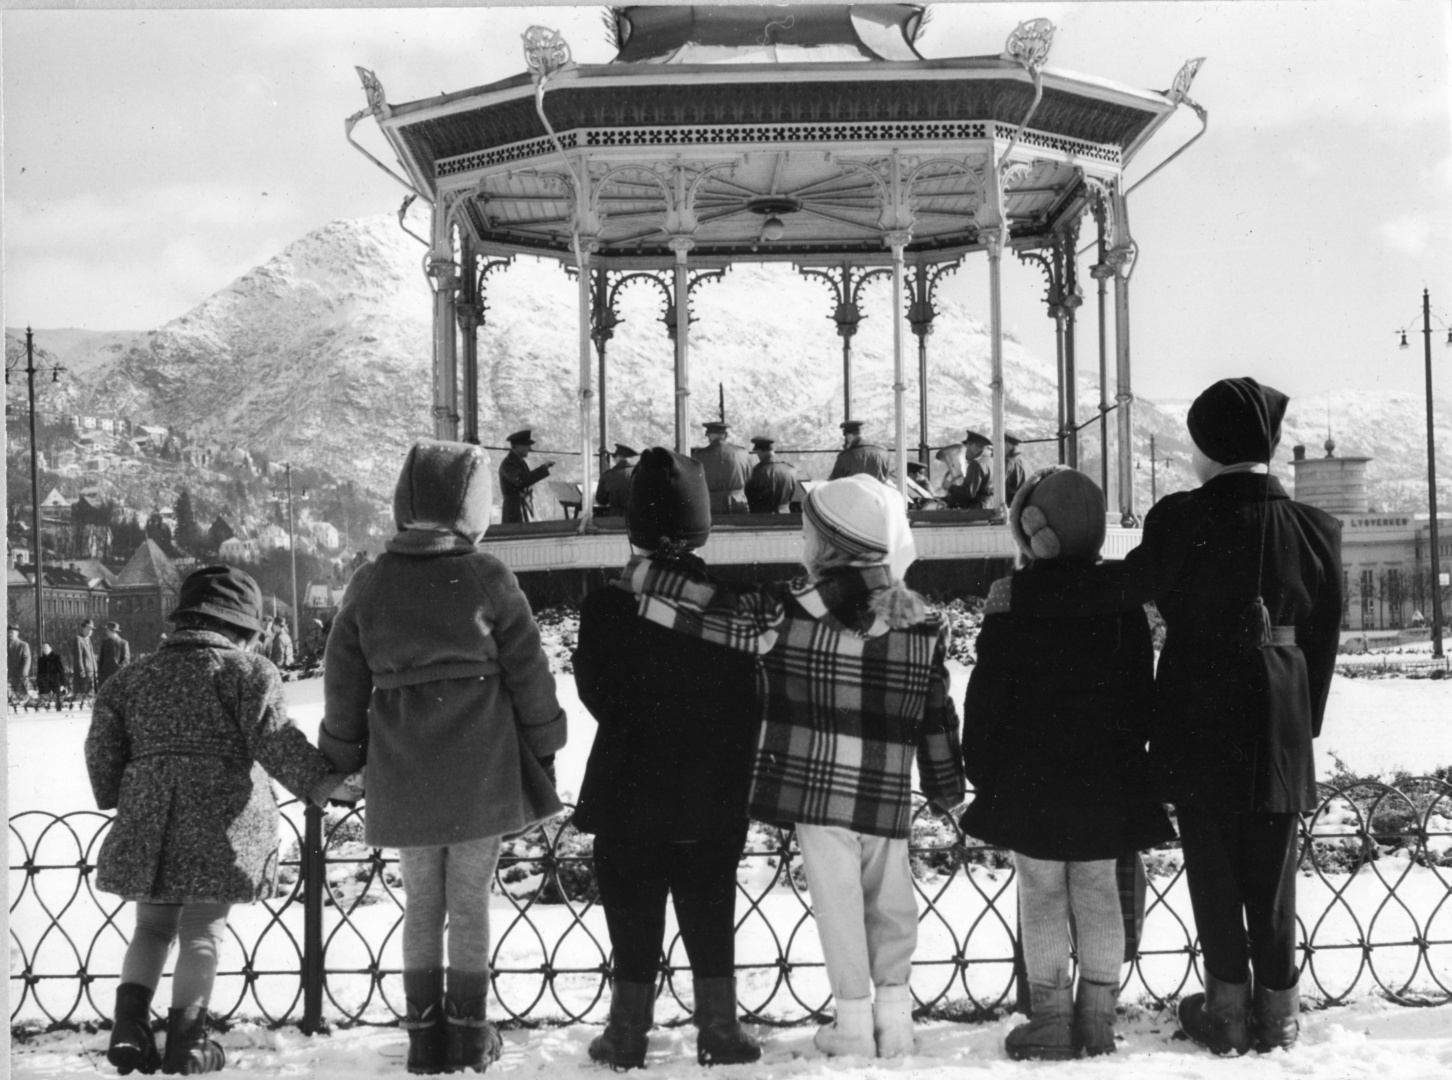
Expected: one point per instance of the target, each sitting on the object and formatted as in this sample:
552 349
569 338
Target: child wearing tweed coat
181 745
854 686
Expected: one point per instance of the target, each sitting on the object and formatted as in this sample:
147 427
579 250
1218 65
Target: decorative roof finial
545 52
1180 90
1030 43
377 104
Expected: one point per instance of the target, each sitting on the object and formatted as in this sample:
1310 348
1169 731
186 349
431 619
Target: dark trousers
1241 872
700 875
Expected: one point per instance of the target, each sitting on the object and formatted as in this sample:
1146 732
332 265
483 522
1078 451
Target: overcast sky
153 156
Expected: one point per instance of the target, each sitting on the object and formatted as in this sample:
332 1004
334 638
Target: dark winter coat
435 677
772 487
181 745
1014 475
866 458
1054 730
727 467
677 726
50 673
613 490
516 485
1233 722
975 490
115 653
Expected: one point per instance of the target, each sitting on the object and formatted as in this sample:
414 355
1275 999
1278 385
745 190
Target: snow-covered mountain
323 355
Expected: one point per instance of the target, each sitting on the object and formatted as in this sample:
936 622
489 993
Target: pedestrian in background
665 787
435 679
83 660
115 653
174 748
17 662
50 675
855 686
279 649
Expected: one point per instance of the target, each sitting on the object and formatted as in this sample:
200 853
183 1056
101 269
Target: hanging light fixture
1404 344
773 228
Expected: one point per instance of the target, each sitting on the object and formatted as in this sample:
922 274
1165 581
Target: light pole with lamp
30 372
1436 562
1155 460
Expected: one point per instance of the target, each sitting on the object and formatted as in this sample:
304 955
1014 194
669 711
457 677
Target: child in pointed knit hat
855 678
1054 731
435 678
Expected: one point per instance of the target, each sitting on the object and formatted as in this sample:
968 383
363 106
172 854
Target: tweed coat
82 663
114 654
866 458
17 662
847 703
516 485
727 467
677 722
180 746
772 487
434 677
1234 723
1054 729
613 490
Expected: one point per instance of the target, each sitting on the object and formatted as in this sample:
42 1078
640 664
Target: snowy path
1368 1039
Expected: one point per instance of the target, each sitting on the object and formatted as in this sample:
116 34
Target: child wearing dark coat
435 678
178 745
1055 724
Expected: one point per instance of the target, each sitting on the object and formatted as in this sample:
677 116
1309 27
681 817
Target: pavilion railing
1375 914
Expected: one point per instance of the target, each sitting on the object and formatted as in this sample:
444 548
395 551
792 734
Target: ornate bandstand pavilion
810 134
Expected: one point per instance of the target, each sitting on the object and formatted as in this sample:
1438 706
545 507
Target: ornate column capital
470 316
898 238
681 245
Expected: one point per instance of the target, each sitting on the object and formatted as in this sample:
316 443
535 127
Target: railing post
314 882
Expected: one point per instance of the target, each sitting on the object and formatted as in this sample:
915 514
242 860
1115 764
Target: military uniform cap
1011 440
524 435
717 427
851 427
977 437
761 442
621 450
916 468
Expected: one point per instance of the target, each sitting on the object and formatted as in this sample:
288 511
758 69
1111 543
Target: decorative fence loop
1374 899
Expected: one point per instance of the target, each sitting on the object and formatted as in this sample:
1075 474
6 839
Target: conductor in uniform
975 490
860 457
727 467
517 479
613 491
773 484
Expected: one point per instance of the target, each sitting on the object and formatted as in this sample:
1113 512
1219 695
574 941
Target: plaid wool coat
847 702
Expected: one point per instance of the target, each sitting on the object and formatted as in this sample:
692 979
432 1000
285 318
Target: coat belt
463 669
1283 635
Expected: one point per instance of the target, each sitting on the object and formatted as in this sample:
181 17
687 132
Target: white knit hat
865 518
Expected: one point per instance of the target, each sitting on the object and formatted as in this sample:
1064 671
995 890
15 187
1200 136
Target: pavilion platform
960 552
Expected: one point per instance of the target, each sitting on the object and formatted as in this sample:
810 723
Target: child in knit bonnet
1055 724
855 687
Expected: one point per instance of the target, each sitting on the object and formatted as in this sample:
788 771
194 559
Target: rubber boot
623 1043
892 1021
133 1044
1094 1005
1049 1034
188 1050
720 1038
850 1032
1275 1019
423 1019
473 1044
1218 1018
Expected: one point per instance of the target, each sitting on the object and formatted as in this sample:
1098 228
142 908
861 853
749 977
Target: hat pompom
1058 513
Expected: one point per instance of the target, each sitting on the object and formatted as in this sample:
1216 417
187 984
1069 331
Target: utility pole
35 538
1431 481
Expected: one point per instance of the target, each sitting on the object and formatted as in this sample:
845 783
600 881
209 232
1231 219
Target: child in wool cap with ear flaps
1055 724
854 687
181 745
435 678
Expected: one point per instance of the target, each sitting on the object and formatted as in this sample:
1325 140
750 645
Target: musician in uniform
773 484
860 457
975 490
517 479
727 466
613 491
1014 473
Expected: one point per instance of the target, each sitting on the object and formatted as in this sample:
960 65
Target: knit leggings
200 928
451 881
1047 890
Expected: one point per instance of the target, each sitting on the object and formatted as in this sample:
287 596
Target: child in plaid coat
854 686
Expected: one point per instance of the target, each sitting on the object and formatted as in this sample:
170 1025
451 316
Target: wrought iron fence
1375 913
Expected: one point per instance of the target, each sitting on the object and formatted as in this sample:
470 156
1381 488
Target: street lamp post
30 373
1155 460
291 542
1436 562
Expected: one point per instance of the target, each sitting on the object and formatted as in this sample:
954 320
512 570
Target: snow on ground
1374 726
1370 1038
